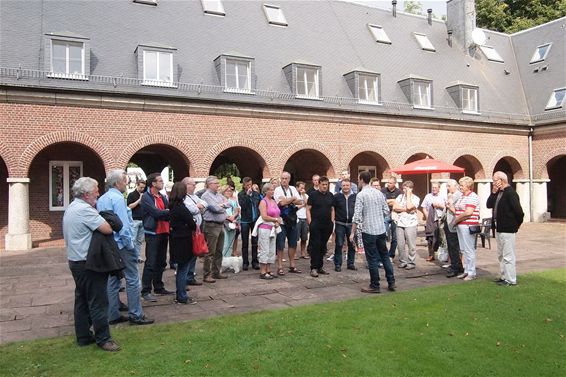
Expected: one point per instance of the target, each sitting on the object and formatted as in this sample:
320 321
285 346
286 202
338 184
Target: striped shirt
466 201
370 211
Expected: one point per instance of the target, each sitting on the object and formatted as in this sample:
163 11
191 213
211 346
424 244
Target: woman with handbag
266 232
468 221
182 226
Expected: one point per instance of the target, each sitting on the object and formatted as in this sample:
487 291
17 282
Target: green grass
472 329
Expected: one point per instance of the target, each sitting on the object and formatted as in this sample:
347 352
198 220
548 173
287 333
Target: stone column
523 190
484 191
540 201
442 182
19 236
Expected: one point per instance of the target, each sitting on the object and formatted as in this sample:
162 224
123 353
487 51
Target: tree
510 16
413 7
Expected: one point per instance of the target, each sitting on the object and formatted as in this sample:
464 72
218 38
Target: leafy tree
413 7
510 16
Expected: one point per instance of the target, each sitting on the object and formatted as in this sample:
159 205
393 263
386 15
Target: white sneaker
469 278
330 257
462 276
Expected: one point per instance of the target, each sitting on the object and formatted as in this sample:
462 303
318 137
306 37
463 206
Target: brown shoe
371 290
209 279
430 259
110 346
220 276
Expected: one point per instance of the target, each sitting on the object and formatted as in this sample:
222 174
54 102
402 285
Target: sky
438 7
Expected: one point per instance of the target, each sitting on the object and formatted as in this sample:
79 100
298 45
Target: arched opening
421 181
156 157
556 193
302 165
370 161
472 168
245 161
511 167
3 202
52 174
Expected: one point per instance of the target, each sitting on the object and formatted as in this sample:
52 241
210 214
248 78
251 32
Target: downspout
531 188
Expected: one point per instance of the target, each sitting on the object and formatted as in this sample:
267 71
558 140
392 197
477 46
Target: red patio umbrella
427 166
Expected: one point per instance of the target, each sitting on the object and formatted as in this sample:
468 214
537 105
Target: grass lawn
472 329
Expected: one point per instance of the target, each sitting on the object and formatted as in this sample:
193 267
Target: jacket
249 206
151 213
344 209
103 254
509 212
182 226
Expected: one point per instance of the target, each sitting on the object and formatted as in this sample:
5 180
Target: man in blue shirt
113 200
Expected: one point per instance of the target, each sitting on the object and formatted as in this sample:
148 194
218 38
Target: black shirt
311 190
344 208
133 197
391 194
321 207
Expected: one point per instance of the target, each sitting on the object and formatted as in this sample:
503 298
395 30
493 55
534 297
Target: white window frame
213 7
238 89
66 178
379 34
305 88
491 54
424 42
418 94
159 81
365 89
66 74
466 93
274 15
372 170
537 58
552 101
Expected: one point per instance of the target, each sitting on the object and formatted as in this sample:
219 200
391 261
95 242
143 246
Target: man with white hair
456 267
113 200
507 218
91 302
345 175
196 206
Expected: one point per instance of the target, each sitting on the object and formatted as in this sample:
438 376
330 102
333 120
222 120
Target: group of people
279 215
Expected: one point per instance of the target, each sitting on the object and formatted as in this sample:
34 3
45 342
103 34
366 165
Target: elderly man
156 228
196 206
91 301
369 213
287 198
214 218
406 206
345 175
391 192
113 200
450 230
433 209
134 203
507 218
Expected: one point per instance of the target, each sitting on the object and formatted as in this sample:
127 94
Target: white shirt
408 219
289 192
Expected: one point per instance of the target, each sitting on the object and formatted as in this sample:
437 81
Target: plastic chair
485 233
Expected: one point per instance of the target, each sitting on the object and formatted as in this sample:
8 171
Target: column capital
541 180
439 180
521 180
483 180
18 180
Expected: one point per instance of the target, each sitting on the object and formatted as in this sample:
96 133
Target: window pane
422 94
57 189
165 73
301 81
379 34
74 174
556 98
59 57
424 42
368 88
76 58
213 6
150 65
231 77
275 15
243 79
540 53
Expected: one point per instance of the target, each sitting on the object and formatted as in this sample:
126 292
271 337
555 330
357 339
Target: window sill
159 84
553 108
57 209
469 112
423 107
298 96
372 103
238 91
67 77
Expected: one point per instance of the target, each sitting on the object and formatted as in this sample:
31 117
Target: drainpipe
531 188
394 3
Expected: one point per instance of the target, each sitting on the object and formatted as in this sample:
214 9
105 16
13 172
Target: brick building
309 87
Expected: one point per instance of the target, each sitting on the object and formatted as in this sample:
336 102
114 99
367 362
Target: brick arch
540 171
205 164
471 156
415 150
169 140
307 144
64 137
7 157
515 164
361 148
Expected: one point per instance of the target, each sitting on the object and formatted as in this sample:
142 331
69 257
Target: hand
352 237
200 206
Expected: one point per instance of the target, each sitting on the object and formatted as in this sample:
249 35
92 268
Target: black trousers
245 230
155 262
453 250
91 305
319 236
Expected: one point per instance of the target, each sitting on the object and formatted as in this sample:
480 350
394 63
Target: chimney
394 3
429 16
450 37
461 19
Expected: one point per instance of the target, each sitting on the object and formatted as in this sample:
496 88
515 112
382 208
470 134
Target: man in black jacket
507 218
344 204
248 200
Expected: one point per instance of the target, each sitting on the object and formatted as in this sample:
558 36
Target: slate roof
330 34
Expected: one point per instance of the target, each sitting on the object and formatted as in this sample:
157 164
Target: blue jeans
375 247
155 262
91 305
391 227
139 236
343 232
181 281
191 270
129 256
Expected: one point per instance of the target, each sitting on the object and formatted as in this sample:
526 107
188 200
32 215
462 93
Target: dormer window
424 42
304 80
365 85
418 91
540 53
155 65
67 56
235 72
465 96
274 15
491 54
214 7
556 99
379 34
